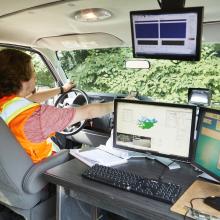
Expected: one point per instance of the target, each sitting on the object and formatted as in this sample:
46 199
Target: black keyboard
151 188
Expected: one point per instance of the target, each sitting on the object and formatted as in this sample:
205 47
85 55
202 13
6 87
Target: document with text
97 156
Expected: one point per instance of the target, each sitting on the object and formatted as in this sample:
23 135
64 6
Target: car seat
23 188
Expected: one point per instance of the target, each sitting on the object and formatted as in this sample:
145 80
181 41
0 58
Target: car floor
7 214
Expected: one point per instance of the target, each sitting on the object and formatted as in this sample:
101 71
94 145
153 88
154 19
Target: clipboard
199 189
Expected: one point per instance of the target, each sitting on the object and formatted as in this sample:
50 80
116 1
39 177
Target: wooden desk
132 206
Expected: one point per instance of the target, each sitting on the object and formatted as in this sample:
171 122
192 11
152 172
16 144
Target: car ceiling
50 24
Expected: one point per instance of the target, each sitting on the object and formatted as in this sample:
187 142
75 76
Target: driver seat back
22 186
14 164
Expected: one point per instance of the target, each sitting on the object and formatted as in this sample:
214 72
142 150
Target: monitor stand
206 176
133 154
167 162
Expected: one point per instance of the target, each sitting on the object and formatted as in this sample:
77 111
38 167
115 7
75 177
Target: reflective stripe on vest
14 107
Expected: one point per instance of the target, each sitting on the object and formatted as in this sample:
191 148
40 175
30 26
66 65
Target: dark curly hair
15 68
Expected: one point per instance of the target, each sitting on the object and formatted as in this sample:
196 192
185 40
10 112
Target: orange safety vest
15 111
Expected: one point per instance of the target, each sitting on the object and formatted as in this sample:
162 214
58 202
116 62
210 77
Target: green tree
44 77
103 70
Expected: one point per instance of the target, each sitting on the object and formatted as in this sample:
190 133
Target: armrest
34 181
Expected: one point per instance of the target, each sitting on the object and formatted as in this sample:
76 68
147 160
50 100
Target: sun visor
79 41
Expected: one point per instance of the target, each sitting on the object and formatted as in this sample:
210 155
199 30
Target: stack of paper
126 154
97 156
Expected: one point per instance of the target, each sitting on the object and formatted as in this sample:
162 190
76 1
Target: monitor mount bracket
208 177
171 164
171 4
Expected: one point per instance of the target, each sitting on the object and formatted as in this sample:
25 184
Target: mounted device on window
199 96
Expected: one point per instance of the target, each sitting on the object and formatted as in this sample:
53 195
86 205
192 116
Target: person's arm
44 95
92 111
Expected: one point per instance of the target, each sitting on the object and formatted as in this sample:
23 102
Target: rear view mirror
137 64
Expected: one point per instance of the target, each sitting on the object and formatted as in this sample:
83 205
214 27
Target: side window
45 79
44 76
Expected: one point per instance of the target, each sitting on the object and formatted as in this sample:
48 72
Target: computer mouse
213 201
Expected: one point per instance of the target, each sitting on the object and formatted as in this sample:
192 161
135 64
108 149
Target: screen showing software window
166 33
161 129
207 152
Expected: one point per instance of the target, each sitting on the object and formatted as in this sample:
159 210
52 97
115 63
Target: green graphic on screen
146 123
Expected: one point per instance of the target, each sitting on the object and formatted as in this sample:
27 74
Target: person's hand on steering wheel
80 96
68 86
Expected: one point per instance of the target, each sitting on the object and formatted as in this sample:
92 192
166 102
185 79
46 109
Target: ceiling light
92 14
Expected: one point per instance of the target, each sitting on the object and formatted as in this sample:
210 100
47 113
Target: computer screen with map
162 129
206 155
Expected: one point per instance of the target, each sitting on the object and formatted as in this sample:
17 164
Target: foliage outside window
103 70
44 76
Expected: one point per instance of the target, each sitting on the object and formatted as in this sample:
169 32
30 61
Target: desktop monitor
167 34
206 154
161 129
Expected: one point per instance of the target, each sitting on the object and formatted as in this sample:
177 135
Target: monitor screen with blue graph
162 129
206 155
167 34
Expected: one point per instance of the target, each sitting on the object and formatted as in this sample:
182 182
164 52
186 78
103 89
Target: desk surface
127 204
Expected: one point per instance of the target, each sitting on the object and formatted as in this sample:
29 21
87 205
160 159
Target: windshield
103 70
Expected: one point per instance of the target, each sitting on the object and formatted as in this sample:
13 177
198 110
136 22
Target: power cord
160 177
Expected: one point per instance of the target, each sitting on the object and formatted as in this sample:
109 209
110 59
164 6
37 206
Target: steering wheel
80 98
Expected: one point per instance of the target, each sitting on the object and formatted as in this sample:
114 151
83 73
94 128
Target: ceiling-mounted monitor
167 34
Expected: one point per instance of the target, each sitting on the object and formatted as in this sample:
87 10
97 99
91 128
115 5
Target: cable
184 217
191 207
84 210
163 171
191 201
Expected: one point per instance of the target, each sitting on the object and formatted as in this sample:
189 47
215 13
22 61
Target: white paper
97 156
126 154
